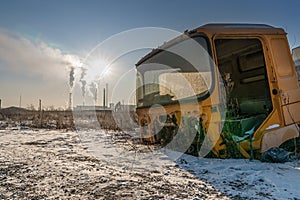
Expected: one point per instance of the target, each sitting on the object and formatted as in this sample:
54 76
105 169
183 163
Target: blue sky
75 27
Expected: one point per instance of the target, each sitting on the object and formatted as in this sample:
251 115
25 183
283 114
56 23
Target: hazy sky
40 40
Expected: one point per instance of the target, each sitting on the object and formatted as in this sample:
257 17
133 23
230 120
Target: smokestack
40 104
70 101
106 100
20 103
0 104
103 97
98 93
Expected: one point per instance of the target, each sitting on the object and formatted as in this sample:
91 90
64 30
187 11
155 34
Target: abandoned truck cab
231 89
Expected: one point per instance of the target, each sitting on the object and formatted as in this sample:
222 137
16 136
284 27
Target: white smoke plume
23 56
93 87
83 81
71 77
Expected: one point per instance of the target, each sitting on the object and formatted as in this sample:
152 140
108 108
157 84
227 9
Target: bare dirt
44 164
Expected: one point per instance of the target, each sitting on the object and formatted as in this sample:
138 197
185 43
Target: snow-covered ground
89 164
244 178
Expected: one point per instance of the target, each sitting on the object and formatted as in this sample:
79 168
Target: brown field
67 119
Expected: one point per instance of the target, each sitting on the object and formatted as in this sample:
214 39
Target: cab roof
219 28
239 28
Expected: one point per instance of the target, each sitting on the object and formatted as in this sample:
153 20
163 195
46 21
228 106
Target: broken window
181 71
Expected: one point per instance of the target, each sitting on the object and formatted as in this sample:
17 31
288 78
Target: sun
97 69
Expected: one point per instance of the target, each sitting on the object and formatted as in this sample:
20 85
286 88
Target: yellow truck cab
247 94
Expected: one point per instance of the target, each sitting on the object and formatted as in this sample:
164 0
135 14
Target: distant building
112 106
296 55
296 59
116 108
123 107
91 108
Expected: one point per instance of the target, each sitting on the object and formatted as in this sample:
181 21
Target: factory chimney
20 102
40 104
103 97
70 101
106 100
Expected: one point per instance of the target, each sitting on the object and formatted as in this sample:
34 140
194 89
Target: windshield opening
179 72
